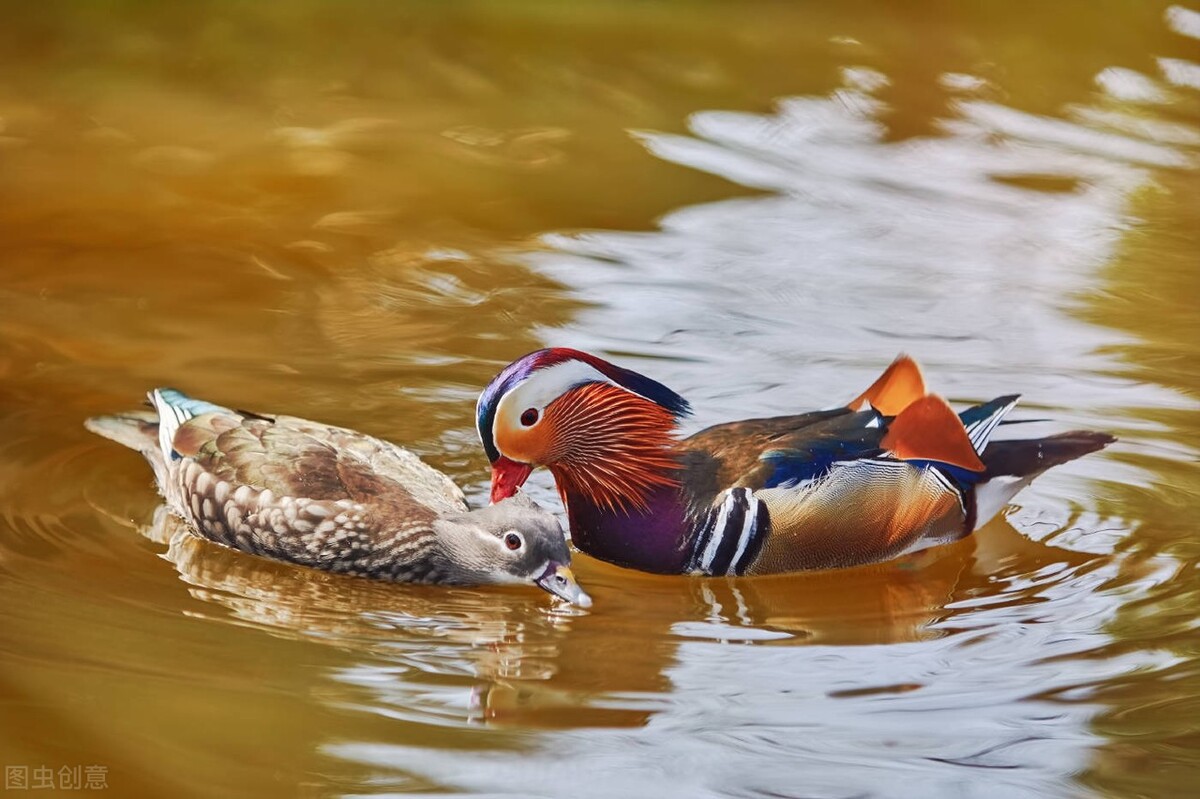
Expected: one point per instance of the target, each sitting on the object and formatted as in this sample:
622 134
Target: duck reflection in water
620 669
518 664
375 618
521 664
600 680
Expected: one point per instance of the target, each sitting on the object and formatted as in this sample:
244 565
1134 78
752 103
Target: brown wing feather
297 458
730 455
309 493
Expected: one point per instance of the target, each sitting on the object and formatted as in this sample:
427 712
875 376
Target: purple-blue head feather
520 369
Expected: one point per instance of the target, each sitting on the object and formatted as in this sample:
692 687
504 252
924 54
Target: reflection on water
356 212
404 634
928 245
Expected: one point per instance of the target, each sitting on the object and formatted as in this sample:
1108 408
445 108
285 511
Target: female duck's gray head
514 541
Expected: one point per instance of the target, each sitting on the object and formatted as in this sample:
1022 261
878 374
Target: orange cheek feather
525 445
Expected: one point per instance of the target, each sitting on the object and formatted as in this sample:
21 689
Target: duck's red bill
507 477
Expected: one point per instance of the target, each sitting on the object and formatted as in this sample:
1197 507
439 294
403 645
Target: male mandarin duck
337 500
893 471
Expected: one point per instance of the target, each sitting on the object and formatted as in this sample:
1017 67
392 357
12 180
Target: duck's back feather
841 488
291 489
732 454
295 457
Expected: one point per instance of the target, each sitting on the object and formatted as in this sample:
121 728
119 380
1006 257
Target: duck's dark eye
513 541
529 417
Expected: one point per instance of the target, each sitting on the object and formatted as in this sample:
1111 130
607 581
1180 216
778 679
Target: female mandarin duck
893 471
334 499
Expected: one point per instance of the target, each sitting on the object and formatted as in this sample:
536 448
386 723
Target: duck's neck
655 538
619 473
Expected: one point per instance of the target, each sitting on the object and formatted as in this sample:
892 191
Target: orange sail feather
928 429
900 385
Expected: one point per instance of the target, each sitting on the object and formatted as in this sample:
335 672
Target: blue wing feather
174 408
812 460
190 405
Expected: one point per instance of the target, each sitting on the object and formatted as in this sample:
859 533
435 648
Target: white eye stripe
546 385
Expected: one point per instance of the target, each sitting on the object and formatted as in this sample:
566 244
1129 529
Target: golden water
358 211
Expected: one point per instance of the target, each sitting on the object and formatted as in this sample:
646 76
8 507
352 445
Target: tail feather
152 432
1012 465
1031 457
137 430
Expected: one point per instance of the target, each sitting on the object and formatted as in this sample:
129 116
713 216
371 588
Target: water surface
358 212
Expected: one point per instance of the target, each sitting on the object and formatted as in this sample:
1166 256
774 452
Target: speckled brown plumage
332 499
312 494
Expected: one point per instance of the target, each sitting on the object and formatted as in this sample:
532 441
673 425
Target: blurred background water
358 211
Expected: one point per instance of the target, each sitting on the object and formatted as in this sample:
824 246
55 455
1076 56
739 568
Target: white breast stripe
948 486
748 528
718 533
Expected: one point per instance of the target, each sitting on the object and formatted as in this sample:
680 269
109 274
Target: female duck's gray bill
560 581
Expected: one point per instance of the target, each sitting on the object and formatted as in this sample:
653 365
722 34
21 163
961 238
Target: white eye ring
513 540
